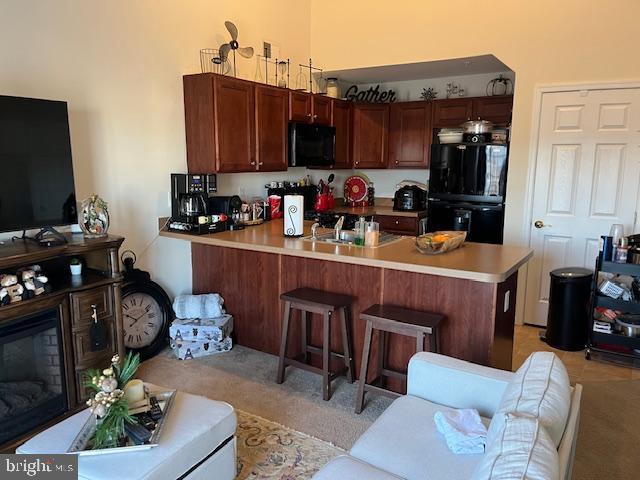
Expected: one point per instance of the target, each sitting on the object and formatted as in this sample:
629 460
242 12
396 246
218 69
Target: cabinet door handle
253 162
315 116
397 162
308 115
260 163
94 314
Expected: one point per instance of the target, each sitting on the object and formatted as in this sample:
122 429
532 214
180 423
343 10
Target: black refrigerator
467 190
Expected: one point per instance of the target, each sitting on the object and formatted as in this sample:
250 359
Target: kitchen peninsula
474 287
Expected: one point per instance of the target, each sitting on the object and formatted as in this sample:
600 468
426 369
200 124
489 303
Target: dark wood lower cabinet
476 328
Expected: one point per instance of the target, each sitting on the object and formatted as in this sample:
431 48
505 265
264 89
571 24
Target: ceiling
418 71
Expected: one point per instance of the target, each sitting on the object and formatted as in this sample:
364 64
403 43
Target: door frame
539 92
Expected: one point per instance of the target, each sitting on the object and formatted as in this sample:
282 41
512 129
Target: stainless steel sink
347 238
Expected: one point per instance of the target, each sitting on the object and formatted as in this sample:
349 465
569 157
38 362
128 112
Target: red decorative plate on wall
355 189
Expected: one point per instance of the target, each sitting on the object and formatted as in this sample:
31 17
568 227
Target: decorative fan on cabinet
234 46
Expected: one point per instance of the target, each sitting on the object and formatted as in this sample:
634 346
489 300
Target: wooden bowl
439 242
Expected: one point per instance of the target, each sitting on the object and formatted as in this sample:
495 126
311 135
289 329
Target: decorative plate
355 189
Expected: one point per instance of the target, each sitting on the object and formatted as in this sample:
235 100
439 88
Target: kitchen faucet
338 227
314 231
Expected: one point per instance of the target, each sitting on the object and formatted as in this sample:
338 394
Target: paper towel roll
293 215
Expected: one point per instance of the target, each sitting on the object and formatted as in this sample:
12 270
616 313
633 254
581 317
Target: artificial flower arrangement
109 403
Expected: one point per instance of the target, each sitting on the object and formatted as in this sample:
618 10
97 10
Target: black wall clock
146 311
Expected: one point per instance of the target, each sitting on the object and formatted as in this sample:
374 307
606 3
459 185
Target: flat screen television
36 170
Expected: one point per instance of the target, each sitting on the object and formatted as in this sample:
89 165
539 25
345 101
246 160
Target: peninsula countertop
473 261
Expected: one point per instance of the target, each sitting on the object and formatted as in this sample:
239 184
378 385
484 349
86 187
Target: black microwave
311 145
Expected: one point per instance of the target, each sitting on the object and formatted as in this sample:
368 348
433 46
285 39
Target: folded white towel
463 430
198 306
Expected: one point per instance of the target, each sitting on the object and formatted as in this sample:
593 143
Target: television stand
47 237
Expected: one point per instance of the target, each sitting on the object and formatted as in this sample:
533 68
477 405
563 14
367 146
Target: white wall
119 65
249 185
543 42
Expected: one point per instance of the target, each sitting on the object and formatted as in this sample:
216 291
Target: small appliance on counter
410 197
293 215
189 204
477 131
229 205
282 189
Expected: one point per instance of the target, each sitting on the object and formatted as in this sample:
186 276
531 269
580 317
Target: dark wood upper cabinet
321 110
370 135
300 106
409 134
272 112
341 120
309 108
198 123
234 124
452 112
495 109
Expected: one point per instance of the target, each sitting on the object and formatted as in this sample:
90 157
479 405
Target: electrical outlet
266 49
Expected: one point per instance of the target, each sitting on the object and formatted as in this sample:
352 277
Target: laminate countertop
473 261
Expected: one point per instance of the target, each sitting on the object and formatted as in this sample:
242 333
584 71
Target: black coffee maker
189 199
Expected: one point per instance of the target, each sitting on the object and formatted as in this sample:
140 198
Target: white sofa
403 443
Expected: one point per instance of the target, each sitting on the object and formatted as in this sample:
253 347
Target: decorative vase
94 219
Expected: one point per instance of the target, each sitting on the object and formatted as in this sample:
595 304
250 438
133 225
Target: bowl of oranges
440 242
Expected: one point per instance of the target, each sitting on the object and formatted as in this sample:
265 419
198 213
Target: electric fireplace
32 373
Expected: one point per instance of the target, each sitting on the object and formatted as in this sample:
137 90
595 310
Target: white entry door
587 175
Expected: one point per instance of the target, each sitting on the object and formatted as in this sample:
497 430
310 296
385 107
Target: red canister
275 205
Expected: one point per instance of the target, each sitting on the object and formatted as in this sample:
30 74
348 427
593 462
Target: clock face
142 318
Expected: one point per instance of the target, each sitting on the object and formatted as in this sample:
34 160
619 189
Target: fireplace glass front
32 379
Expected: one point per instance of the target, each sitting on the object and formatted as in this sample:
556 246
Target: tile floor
527 341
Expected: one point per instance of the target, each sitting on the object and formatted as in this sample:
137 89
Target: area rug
267 450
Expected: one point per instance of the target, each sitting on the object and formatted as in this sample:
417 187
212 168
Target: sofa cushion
540 388
522 450
404 441
345 467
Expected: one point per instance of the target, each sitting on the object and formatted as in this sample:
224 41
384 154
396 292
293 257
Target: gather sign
371 95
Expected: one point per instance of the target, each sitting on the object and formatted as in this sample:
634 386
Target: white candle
134 391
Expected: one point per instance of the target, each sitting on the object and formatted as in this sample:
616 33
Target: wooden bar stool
308 301
391 319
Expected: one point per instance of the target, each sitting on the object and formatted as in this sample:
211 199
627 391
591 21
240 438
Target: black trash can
569 308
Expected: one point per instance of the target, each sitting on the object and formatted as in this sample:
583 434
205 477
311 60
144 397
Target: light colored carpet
609 435
609 423
269 451
245 378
